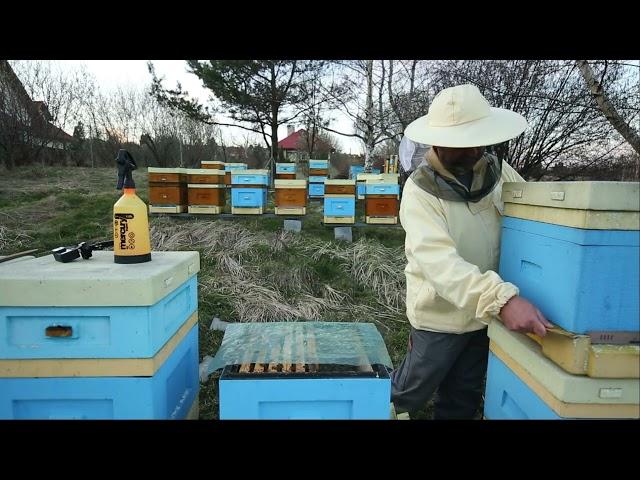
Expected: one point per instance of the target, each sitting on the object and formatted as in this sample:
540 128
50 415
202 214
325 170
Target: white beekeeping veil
411 154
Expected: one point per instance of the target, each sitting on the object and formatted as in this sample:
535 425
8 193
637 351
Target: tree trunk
608 110
368 150
148 141
274 149
9 161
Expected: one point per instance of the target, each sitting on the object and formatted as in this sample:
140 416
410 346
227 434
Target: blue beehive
354 170
280 397
339 207
317 179
249 191
250 177
319 164
316 190
96 331
582 280
362 178
382 189
285 168
507 397
168 394
573 250
304 370
523 384
229 167
339 202
95 339
249 197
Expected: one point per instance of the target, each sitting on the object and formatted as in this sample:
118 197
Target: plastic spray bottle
131 242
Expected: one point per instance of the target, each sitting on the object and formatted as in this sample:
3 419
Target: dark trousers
453 364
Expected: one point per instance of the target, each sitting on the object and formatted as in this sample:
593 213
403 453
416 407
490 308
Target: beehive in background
318 173
290 197
249 191
319 168
340 201
212 165
167 190
230 167
391 164
354 170
382 199
206 190
361 179
285 171
92 339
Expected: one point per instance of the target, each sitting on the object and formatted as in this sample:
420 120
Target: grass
46 207
251 270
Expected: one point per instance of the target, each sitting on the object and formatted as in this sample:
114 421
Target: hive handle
58 331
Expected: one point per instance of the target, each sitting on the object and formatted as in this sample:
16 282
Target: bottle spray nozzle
126 165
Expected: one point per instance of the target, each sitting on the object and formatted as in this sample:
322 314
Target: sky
112 73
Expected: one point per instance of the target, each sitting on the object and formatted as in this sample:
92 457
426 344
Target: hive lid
253 171
204 171
339 182
206 185
97 281
573 217
615 196
382 177
165 170
290 183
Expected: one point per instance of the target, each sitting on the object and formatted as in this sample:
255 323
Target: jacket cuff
504 292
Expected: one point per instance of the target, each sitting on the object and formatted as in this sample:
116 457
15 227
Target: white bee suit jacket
452 250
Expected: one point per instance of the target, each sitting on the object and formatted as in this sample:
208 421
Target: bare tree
58 99
563 122
160 130
408 92
596 88
254 93
362 99
315 108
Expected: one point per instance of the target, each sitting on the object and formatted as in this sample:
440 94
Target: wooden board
301 345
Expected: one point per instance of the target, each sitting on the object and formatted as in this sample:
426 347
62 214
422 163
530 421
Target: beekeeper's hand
520 315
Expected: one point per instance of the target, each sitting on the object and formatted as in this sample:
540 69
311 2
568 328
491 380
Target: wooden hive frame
296 343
